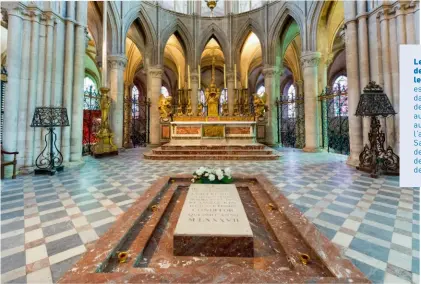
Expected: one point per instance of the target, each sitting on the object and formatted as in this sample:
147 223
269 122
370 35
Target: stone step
152 156
211 147
160 151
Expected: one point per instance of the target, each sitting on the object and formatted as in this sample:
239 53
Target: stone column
32 97
410 28
117 66
272 85
300 112
387 74
127 116
155 80
24 88
68 79
78 76
58 71
231 94
355 122
11 99
394 64
49 25
39 139
194 91
310 62
363 62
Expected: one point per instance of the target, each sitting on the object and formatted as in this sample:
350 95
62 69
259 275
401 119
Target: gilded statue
259 103
200 109
212 94
105 110
189 108
225 111
164 106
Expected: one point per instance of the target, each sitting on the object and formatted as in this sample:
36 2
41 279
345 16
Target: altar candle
235 76
188 78
200 75
225 78
179 78
247 80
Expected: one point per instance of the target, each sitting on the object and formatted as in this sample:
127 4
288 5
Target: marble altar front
223 131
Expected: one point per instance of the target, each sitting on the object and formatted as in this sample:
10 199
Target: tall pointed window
291 98
135 102
88 83
261 90
165 92
340 88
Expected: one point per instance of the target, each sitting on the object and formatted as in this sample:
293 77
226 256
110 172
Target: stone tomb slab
281 236
213 222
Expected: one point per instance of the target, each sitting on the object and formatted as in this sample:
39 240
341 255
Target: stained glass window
222 99
261 90
165 92
291 99
340 86
135 102
88 83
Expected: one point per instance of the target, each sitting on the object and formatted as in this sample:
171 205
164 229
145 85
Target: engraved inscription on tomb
213 210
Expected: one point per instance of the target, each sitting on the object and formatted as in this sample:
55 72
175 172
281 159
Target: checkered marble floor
47 223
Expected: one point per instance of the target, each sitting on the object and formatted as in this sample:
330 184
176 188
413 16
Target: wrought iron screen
291 129
3 93
140 116
91 119
335 124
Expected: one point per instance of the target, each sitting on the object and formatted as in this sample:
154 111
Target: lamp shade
50 117
374 102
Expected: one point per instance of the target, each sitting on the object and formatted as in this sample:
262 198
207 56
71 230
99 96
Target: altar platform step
254 152
214 147
211 152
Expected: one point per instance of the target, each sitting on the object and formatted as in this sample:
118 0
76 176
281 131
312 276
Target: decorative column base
311 150
105 145
353 159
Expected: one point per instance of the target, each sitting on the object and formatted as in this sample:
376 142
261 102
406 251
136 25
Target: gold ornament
122 256
164 106
105 144
259 103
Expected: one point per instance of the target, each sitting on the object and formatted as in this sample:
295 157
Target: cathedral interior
126 92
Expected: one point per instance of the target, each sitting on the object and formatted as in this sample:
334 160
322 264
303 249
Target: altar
221 132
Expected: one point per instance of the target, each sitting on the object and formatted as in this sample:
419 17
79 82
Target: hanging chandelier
211 5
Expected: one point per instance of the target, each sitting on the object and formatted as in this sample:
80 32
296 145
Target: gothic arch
138 12
114 20
250 26
287 13
214 31
183 36
113 26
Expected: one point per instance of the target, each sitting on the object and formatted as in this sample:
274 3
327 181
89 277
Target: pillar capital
117 61
310 59
271 71
49 18
156 72
230 76
194 77
328 59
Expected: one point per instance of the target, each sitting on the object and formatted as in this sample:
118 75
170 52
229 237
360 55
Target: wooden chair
8 163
